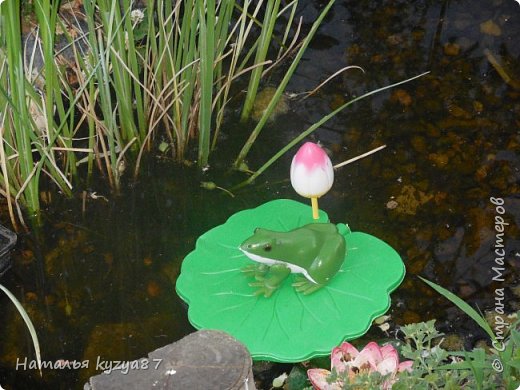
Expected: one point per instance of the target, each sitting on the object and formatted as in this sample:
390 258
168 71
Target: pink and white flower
348 360
312 174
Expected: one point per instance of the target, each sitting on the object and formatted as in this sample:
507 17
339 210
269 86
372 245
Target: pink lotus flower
312 174
347 360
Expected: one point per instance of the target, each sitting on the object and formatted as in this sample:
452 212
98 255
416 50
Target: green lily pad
288 326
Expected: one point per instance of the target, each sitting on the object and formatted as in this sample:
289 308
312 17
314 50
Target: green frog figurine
316 251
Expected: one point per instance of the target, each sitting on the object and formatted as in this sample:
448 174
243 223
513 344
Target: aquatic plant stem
323 120
349 161
331 77
315 209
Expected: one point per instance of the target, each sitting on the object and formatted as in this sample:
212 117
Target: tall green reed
20 179
113 69
200 49
52 96
32 142
262 46
173 81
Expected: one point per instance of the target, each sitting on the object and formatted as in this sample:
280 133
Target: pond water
98 277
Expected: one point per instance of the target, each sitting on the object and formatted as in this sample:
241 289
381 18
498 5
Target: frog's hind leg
305 286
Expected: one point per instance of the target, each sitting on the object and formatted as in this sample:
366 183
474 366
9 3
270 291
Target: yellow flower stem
315 210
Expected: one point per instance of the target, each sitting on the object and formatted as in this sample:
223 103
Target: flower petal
337 360
387 350
342 357
349 351
406 365
318 378
388 365
311 183
371 354
311 155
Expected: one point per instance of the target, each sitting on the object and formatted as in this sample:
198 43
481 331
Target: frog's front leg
257 270
268 283
304 285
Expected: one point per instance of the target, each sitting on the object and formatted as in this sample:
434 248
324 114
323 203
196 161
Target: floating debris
392 204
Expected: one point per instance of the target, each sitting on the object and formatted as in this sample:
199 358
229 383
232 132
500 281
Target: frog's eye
267 247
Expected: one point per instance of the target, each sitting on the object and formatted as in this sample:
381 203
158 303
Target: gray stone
205 360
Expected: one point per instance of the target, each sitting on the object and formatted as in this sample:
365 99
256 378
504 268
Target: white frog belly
295 269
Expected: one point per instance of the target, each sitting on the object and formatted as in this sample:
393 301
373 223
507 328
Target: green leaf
208 185
163 147
476 360
288 326
505 356
515 337
29 324
462 305
297 379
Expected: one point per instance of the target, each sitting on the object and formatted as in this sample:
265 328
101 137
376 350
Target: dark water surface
100 283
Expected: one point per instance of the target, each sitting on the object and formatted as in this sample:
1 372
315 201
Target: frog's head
262 243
